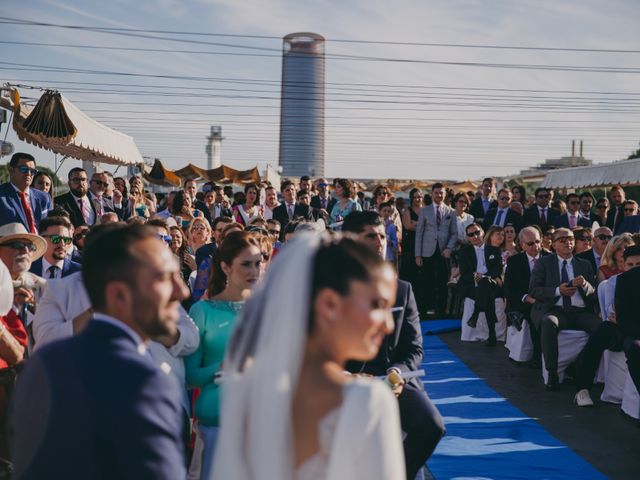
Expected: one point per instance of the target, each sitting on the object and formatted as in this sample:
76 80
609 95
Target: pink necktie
438 217
572 221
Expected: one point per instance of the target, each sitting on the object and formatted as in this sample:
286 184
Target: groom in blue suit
96 405
18 202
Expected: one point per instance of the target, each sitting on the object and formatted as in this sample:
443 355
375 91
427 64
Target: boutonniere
491 257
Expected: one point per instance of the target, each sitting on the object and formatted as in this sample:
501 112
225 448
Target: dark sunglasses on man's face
504 199
24 170
533 242
56 239
20 246
165 238
543 196
475 233
100 182
631 210
603 237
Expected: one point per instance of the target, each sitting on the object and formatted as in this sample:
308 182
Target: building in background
302 106
214 147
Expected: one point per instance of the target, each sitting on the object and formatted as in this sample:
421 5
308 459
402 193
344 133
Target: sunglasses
199 227
100 182
630 210
323 184
504 199
532 243
574 203
20 246
604 237
164 238
56 239
24 170
543 196
565 239
475 233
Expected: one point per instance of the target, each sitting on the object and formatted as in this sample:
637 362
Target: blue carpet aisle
487 438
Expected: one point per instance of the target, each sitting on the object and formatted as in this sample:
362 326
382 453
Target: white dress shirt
481 266
500 220
576 298
46 265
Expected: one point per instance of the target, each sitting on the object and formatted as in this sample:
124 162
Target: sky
403 108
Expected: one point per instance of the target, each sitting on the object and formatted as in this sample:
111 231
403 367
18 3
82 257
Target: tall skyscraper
302 106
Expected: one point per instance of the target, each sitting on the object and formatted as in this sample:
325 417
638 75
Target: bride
288 409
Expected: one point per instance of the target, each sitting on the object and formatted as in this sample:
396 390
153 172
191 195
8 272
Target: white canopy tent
622 172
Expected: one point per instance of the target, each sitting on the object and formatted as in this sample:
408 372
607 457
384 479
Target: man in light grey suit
562 286
436 235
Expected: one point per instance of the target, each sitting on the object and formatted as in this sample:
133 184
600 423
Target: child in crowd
393 247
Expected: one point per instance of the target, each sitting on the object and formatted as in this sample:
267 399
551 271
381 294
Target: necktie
543 217
498 221
290 211
99 209
323 203
83 211
533 263
572 222
53 271
566 301
31 224
438 217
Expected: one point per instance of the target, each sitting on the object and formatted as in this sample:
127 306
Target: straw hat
16 231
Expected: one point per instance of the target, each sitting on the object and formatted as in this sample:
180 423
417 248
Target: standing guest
602 211
104 377
541 214
151 204
43 182
120 184
222 207
282 390
137 203
518 208
191 188
502 214
304 198
586 204
601 237
510 245
562 286
436 235
345 193
463 219
584 238
616 213
182 210
618 332
516 285
481 270
180 249
76 201
236 270
383 194
55 263
480 206
198 233
572 218
323 199
18 202
290 209
97 186
270 202
558 205
519 194
391 253
305 184
612 261
245 212
408 269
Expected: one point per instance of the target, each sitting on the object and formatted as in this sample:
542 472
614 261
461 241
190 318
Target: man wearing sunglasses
19 202
502 214
601 237
631 221
56 262
572 218
97 187
516 284
541 213
76 201
563 287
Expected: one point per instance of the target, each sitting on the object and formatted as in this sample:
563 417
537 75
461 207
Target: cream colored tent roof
92 141
623 172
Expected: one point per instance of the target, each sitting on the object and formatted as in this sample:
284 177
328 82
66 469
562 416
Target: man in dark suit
601 238
481 271
516 282
586 205
191 189
304 198
629 225
55 263
618 333
541 214
480 206
96 405
502 214
401 351
616 212
76 202
572 218
18 202
322 200
289 208
562 286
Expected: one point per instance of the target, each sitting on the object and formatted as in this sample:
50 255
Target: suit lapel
18 204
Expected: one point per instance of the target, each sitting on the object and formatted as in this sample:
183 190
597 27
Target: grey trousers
560 319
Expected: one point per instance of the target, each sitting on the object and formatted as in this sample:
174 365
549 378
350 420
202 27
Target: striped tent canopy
160 175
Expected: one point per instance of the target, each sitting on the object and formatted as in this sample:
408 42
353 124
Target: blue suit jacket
563 221
629 225
11 207
94 407
68 267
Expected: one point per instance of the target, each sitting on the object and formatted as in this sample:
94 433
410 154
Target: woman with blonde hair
199 233
612 261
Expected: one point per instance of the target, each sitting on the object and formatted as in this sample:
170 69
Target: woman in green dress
235 270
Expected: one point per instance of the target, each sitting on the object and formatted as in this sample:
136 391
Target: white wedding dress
361 439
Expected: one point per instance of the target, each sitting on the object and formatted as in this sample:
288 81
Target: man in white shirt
270 202
55 263
562 286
